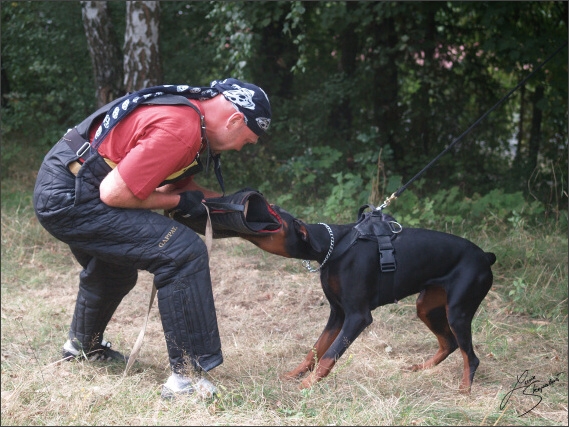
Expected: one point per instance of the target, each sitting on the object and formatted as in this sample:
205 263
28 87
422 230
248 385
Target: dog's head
296 239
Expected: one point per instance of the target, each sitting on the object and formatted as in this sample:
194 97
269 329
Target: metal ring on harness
306 263
392 225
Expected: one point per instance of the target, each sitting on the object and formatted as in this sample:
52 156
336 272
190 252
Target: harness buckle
387 261
83 149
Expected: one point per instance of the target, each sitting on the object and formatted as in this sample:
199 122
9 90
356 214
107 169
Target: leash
138 343
404 187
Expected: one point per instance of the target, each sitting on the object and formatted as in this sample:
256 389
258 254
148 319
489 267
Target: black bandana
249 99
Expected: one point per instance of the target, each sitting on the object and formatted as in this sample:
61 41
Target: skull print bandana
250 100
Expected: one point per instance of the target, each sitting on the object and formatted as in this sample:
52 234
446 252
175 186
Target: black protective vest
78 137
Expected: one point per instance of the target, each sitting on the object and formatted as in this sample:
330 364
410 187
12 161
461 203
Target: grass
270 312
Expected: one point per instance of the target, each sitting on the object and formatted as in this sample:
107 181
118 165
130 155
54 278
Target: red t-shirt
152 143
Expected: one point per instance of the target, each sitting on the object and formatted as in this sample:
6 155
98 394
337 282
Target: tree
114 72
346 81
106 56
46 60
142 65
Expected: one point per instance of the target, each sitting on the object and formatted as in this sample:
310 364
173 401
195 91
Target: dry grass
270 312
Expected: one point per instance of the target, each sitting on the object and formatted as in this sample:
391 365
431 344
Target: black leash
404 187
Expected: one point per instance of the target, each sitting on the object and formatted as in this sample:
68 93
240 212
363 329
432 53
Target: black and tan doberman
451 275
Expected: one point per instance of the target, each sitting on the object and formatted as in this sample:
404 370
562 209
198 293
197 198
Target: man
98 188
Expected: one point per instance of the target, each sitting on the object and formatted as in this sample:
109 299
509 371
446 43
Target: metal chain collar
306 263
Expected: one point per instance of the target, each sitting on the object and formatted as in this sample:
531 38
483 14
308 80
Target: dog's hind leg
431 309
329 334
461 324
461 308
354 324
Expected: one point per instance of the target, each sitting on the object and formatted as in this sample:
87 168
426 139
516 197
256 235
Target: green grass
270 312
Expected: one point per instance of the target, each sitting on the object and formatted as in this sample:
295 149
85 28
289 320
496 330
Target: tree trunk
535 131
518 158
385 87
142 65
104 49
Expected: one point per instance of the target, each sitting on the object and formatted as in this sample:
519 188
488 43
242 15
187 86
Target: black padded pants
102 286
111 244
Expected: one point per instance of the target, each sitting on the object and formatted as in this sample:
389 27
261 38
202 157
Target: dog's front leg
354 324
329 334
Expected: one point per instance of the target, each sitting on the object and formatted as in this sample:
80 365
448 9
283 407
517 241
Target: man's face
232 137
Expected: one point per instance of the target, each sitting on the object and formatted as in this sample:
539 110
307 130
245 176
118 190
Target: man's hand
190 204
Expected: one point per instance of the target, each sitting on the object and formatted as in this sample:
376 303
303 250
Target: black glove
190 204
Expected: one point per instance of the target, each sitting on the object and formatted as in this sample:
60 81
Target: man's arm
114 192
193 185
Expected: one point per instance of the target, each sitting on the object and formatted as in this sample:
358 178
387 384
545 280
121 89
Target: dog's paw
291 375
308 382
414 368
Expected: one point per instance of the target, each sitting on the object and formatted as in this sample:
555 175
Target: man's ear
235 120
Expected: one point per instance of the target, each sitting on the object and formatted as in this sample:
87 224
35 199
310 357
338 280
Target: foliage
347 81
49 74
188 44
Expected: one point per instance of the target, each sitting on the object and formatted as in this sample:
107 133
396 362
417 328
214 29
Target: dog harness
372 226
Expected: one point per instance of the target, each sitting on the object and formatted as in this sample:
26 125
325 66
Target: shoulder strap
78 137
85 125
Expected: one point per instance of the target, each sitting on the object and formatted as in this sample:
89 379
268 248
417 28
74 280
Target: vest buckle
83 149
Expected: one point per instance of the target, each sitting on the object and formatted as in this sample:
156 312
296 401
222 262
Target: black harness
375 226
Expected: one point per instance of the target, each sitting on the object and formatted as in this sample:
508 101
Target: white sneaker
179 385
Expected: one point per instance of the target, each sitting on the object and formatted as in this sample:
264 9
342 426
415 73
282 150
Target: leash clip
386 202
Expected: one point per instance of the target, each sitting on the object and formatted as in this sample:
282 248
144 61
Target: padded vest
78 137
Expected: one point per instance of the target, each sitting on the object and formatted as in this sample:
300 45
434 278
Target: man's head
248 99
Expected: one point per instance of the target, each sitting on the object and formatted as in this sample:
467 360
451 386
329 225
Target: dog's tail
490 257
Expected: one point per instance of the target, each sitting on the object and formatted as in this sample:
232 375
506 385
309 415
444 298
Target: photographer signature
530 386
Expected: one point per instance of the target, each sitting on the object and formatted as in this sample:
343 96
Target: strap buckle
387 261
83 149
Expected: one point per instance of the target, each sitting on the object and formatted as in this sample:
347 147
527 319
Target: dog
451 275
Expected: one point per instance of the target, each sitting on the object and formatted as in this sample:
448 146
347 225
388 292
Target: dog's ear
314 235
300 229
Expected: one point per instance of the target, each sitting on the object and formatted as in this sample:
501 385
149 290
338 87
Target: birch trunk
104 50
142 65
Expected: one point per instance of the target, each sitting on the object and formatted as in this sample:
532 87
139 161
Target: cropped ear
314 234
300 229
